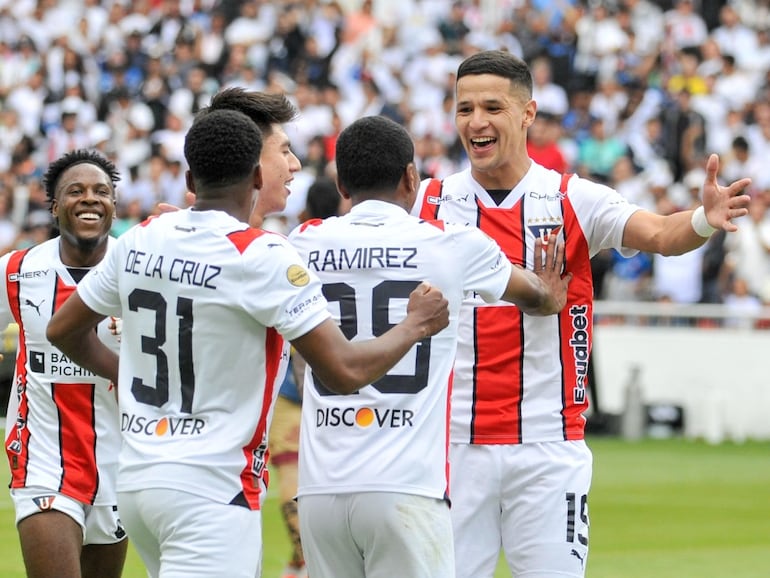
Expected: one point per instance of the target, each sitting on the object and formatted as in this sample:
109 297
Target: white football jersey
521 378
391 435
62 431
206 304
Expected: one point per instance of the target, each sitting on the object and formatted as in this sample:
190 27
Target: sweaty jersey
206 304
521 378
62 429
391 435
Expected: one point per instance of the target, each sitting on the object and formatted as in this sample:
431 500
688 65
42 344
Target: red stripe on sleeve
310 223
242 239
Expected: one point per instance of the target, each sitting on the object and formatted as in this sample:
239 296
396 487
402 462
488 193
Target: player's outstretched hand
723 204
549 272
428 309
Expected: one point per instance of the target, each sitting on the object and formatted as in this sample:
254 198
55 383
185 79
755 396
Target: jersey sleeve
486 270
284 295
603 214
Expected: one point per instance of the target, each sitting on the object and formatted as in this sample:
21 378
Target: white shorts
181 535
376 535
529 499
100 524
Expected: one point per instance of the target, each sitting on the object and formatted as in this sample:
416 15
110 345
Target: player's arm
676 234
73 330
344 366
544 290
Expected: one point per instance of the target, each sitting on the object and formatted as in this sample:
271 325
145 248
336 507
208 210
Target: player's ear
258 177
343 191
411 178
189 182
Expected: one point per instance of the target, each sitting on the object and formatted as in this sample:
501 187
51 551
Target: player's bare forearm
684 231
344 366
72 329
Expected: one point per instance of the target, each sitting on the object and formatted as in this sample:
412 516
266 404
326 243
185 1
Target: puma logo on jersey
35 307
44 503
120 532
577 555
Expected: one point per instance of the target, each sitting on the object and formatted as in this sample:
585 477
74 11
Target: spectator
551 98
598 153
543 143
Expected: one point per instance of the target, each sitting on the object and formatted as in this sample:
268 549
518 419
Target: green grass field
663 509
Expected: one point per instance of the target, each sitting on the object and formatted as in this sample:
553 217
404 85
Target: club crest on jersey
44 503
544 227
297 276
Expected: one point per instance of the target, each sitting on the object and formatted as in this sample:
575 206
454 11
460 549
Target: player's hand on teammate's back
428 309
169 208
549 272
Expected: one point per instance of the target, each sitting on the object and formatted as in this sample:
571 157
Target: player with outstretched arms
521 468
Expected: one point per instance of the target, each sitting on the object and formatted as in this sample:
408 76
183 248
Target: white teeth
88 216
483 140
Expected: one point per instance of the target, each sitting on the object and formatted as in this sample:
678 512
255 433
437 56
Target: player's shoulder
308 227
436 187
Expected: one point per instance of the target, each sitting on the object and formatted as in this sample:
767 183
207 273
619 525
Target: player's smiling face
278 164
492 122
84 204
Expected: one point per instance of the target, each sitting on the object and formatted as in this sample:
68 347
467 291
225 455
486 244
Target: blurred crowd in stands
632 93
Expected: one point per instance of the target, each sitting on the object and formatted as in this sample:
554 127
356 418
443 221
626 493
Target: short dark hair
323 199
77 157
265 109
372 155
222 148
498 63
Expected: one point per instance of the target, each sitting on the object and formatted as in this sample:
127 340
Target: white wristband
699 223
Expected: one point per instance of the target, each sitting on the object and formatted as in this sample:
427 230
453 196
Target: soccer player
206 303
373 491
520 467
62 438
269 112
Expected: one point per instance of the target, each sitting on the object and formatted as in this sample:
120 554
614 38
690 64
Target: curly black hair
76 157
265 109
222 148
372 155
